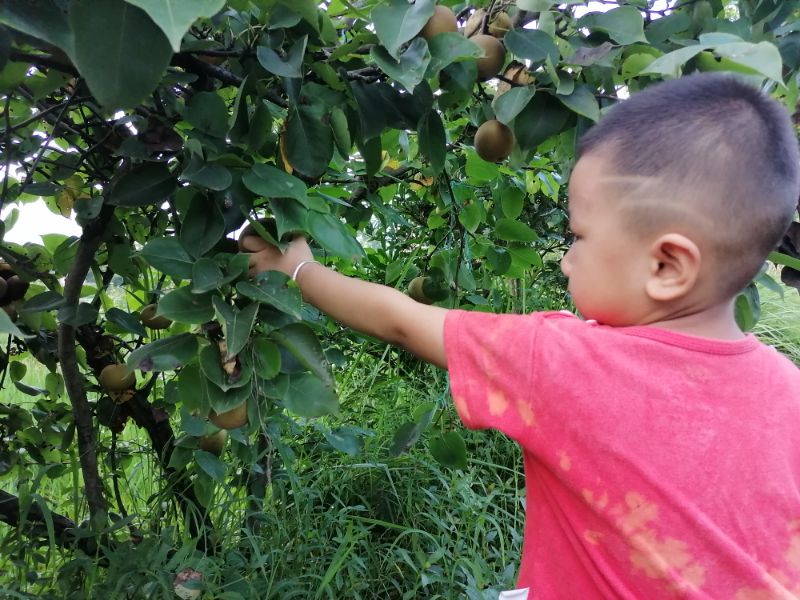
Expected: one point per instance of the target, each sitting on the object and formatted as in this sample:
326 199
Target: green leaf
127 321
344 439
308 396
514 231
175 17
267 181
470 216
747 308
405 437
212 465
206 276
670 64
77 314
213 177
535 5
203 226
183 306
203 488
624 24
763 57
479 170
582 101
449 450
499 259
301 343
166 354
542 118
449 47
208 112
7 326
433 140
511 103
331 234
211 364
43 302
397 21
266 358
341 132
41 19
270 288
308 141
786 260
146 184
308 9
64 255
291 66
532 44
512 200
236 324
168 256
118 49
410 69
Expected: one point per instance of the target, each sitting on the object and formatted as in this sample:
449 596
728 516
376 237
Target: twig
49 139
7 150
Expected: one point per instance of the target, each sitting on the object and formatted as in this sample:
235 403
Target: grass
331 526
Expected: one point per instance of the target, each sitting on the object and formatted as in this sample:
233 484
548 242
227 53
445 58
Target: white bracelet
300 266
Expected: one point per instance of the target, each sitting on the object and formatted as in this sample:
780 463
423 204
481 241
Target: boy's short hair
709 153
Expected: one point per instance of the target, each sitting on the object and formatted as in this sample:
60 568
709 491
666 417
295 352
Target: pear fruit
500 24
416 291
116 378
16 289
489 65
494 141
149 318
443 20
230 419
214 442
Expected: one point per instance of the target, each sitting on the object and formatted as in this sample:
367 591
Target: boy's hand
266 257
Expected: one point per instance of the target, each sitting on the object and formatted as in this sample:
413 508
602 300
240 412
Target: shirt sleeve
490 360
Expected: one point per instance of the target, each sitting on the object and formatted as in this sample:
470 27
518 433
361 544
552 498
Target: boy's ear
674 267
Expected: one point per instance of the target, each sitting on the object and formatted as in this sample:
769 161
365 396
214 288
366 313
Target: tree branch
73 380
63 527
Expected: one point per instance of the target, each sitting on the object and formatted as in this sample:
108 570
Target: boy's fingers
252 243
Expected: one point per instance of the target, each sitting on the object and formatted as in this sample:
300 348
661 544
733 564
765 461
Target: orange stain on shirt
659 557
793 553
525 412
565 462
639 513
600 503
593 537
498 403
461 406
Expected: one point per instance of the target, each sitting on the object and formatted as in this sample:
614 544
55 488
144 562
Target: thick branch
62 526
42 60
155 421
73 380
194 65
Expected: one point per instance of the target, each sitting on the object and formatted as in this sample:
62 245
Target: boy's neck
716 322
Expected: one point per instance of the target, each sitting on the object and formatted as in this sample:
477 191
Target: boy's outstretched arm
377 310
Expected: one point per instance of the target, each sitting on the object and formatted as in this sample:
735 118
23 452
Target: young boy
661 444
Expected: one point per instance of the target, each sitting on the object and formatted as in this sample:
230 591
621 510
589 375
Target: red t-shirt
657 464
